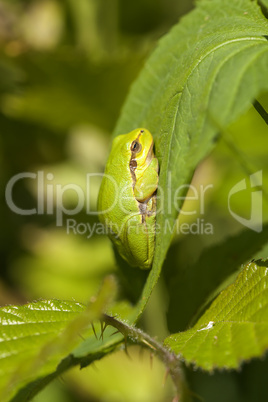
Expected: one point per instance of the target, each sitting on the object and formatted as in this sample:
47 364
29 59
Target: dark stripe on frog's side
132 168
143 210
133 163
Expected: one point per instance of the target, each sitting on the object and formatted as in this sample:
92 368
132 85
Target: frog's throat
150 155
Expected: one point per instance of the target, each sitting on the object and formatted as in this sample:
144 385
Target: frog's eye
136 146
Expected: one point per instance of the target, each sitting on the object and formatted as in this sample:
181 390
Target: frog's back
116 199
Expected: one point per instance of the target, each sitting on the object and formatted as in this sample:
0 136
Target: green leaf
234 328
202 278
202 76
40 340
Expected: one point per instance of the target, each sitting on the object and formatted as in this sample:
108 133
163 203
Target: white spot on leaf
210 325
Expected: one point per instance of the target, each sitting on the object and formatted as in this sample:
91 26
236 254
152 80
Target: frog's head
140 143
135 147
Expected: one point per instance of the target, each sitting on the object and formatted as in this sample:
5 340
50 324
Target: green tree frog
127 197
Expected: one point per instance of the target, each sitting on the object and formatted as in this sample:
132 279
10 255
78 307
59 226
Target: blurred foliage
65 70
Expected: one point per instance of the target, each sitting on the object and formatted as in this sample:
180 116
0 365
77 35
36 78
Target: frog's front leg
147 183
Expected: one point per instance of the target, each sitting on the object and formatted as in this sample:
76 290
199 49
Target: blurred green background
65 69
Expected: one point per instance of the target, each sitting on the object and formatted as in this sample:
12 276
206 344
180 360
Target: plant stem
260 109
170 359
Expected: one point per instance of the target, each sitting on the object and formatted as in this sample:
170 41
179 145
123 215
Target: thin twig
170 359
